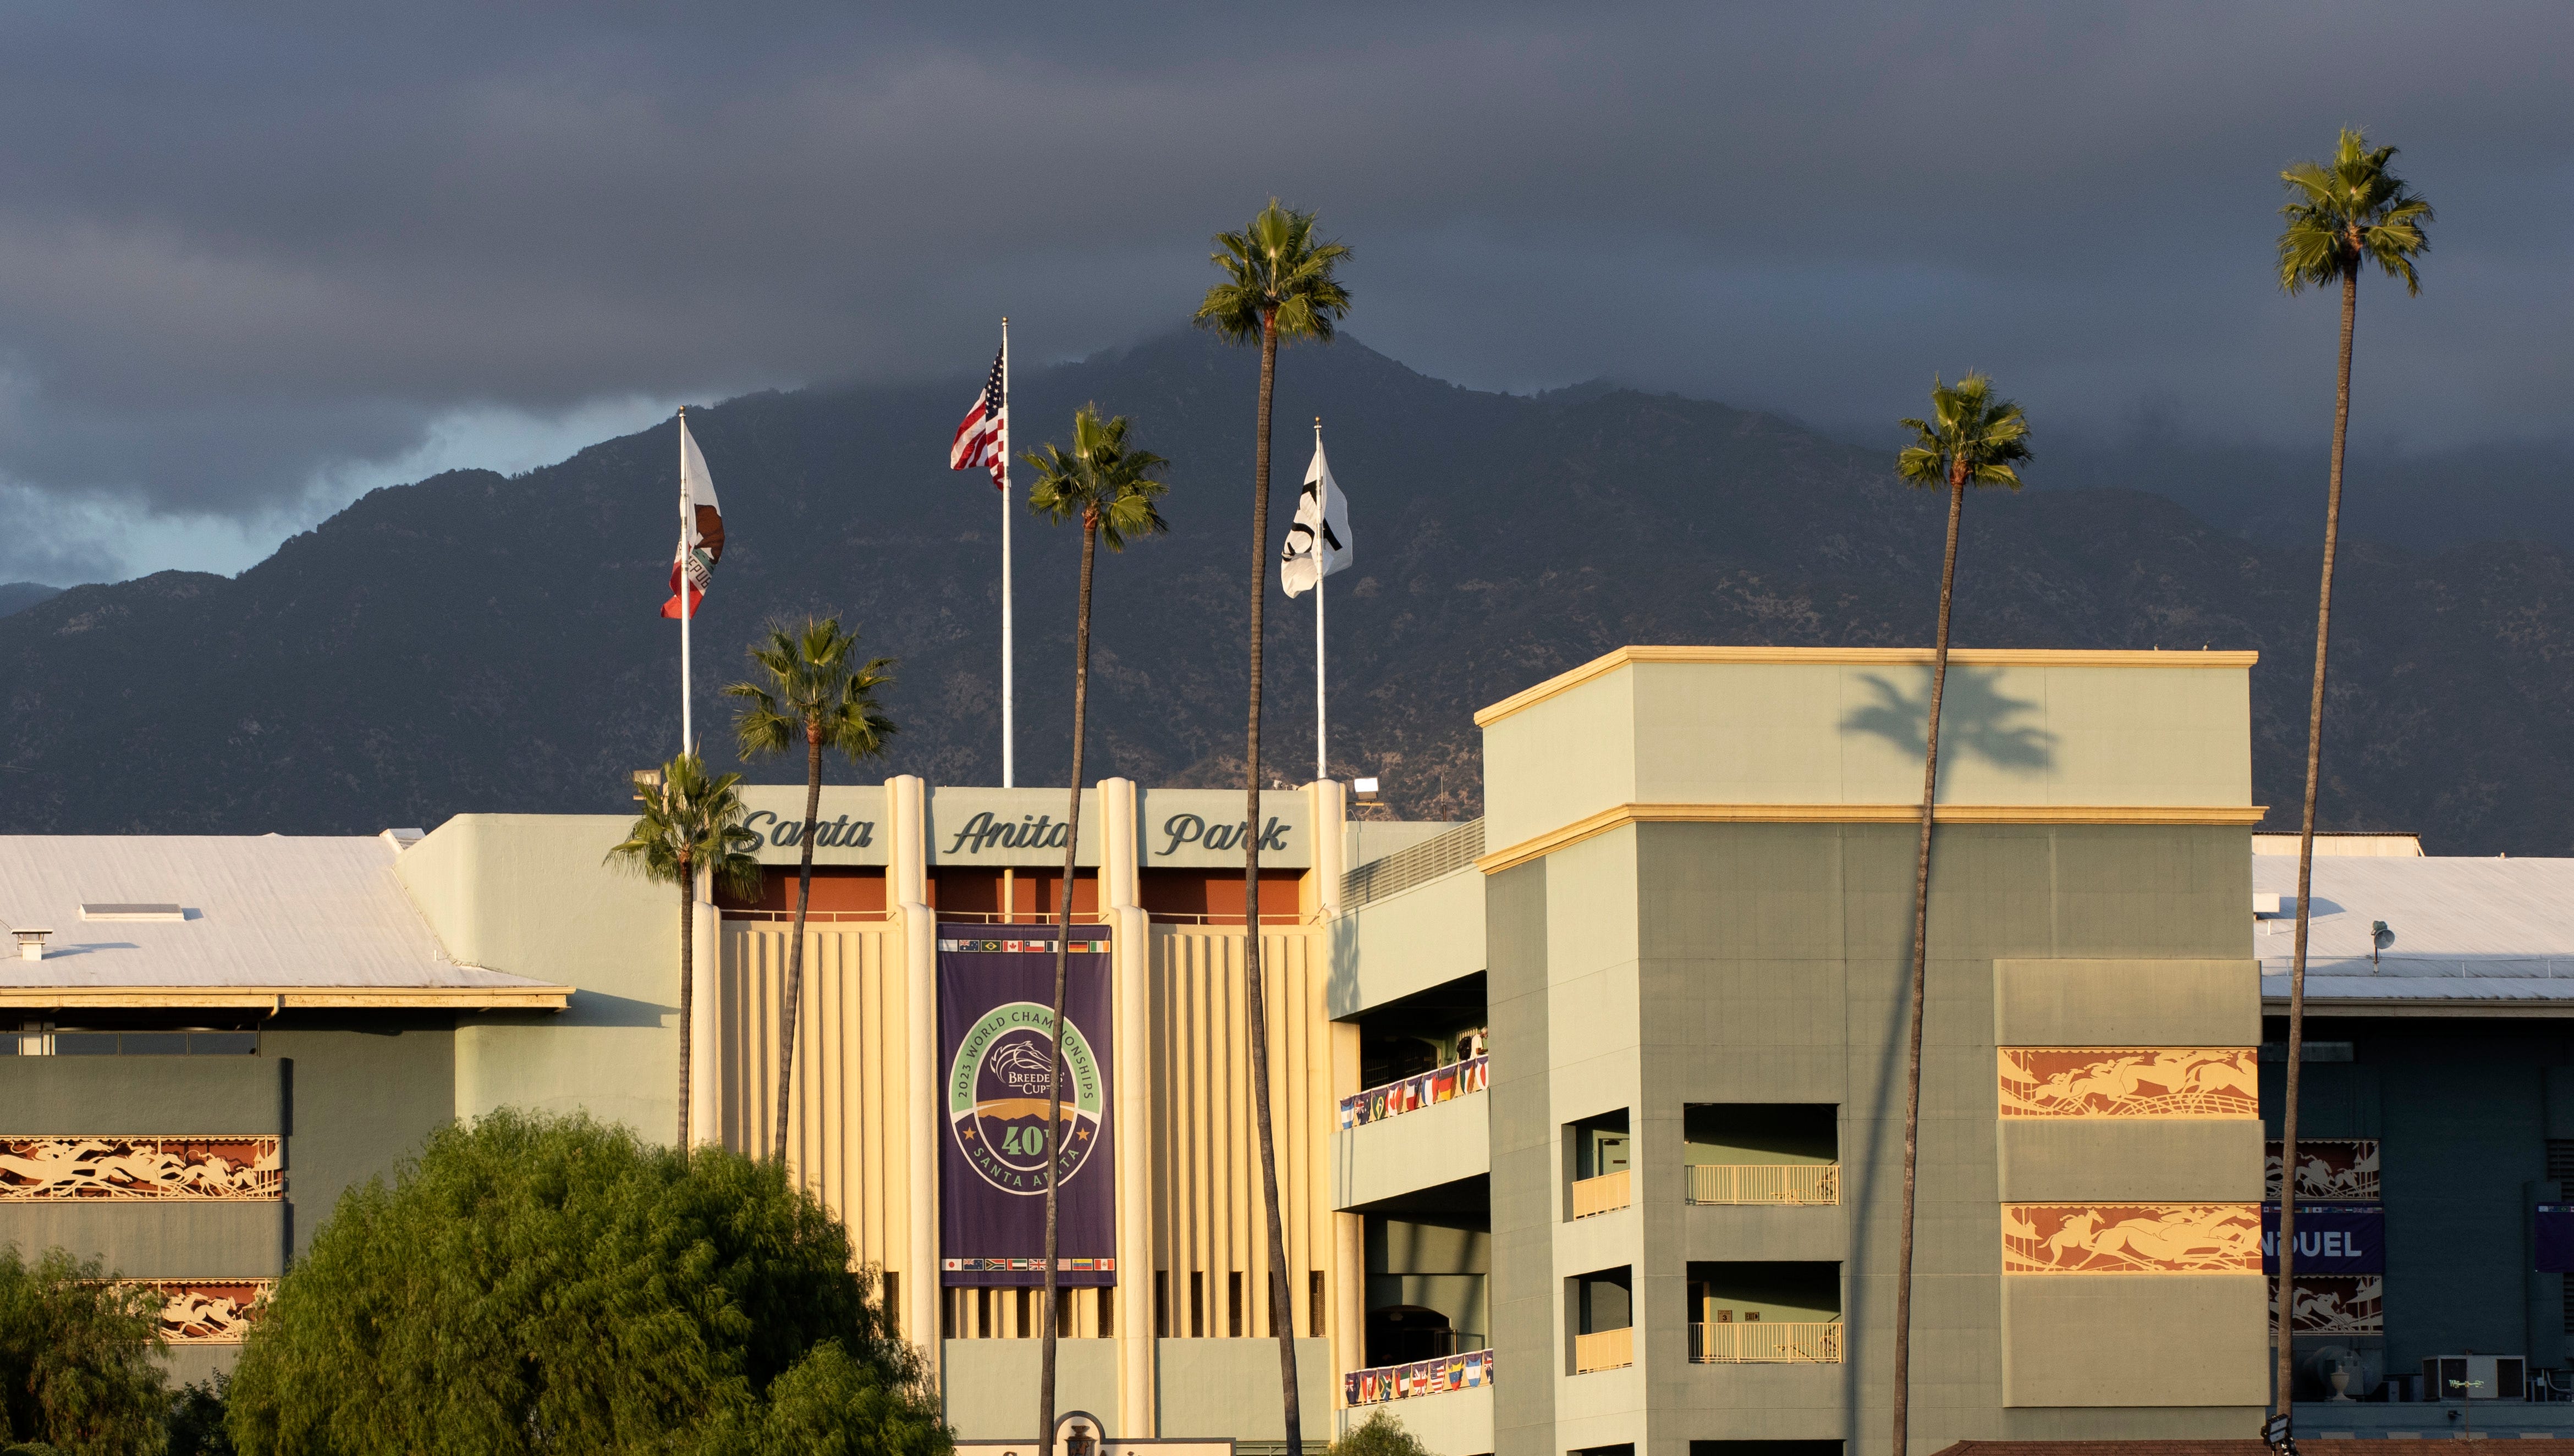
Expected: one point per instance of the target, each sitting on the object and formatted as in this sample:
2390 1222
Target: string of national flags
1318 544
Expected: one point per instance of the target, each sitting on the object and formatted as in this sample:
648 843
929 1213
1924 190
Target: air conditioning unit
2476 1377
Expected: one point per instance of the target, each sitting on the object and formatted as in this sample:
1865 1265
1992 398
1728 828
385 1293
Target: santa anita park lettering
1174 828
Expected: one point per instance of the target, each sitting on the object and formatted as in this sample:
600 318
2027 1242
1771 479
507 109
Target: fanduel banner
2332 1238
995 1016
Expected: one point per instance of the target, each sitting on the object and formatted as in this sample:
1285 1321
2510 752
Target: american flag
979 439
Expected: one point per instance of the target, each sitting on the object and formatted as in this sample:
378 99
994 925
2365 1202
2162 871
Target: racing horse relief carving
140 1167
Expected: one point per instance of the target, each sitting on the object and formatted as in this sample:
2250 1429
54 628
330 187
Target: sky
256 261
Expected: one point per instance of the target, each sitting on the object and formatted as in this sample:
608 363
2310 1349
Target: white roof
272 913
2460 930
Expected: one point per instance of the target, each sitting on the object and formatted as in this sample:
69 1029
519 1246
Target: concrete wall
992 1385
1436 1144
1231 1388
1820 727
532 895
1427 936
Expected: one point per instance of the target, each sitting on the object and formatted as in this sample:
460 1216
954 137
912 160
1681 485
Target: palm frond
1970 436
690 821
1275 275
1101 482
810 693
2347 213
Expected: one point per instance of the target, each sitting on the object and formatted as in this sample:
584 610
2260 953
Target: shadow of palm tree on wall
1975 719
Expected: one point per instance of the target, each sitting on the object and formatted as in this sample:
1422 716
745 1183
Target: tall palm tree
2342 216
1280 283
690 823
1105 485
815 693
1971 439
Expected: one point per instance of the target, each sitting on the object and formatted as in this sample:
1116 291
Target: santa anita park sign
1175 828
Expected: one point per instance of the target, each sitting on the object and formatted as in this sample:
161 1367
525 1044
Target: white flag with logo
1318 544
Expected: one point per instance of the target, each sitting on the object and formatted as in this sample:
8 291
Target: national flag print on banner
978 438
1318 544
701 532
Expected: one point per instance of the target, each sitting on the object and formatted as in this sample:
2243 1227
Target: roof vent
94 910
31 943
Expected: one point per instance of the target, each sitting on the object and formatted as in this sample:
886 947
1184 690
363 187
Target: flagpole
1322 759
688 724
1009 734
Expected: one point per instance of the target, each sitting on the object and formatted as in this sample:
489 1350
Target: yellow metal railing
1760 1182
1600 1195
1764 1343
1607 1350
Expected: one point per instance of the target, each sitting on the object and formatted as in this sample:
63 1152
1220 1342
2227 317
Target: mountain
17 595
476 642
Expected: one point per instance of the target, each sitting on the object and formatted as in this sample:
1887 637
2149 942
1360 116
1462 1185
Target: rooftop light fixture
646 780
1363 790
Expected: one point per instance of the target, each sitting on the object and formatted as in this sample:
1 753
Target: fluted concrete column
908 893
1132 964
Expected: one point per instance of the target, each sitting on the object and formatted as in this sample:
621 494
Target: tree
79 1356
1381 1434
1105 485
1280 283
2342 216
691 824
550 1284
1971 439
815 694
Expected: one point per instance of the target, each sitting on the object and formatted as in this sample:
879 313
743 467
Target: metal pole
1321 757
1009 731
688 723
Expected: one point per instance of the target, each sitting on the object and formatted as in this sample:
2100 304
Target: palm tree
2342 216
690 823
815 693
1279 283
1971 439
1104 485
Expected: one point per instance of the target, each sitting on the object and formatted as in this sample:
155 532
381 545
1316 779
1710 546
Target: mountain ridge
478 641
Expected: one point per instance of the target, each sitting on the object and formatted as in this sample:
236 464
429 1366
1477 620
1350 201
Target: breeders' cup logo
997 1097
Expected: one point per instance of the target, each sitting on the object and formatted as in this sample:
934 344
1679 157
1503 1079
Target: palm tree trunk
2286 1355
796 951
688 988
1920 963
1255 1000
1062 966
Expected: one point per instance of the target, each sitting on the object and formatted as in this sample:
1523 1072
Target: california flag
701 529
1318 544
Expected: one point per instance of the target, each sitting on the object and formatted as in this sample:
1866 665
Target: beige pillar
907 894
705 1021
1349 1230
1330 812
1131 962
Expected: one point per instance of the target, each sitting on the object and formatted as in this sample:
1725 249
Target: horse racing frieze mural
2129 1081
2132 1238
140 1167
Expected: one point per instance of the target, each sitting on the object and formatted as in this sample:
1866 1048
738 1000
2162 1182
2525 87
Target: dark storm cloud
238 250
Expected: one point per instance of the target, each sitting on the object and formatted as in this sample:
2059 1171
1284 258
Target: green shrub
533 1282
1378 1435
195 1418
79 1359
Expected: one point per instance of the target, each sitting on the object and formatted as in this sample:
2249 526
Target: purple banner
996 1015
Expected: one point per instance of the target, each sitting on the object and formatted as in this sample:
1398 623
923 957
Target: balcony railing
1764 1343
1600 1195
1413 1093
1761 1183
1381 1383
1610 1349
